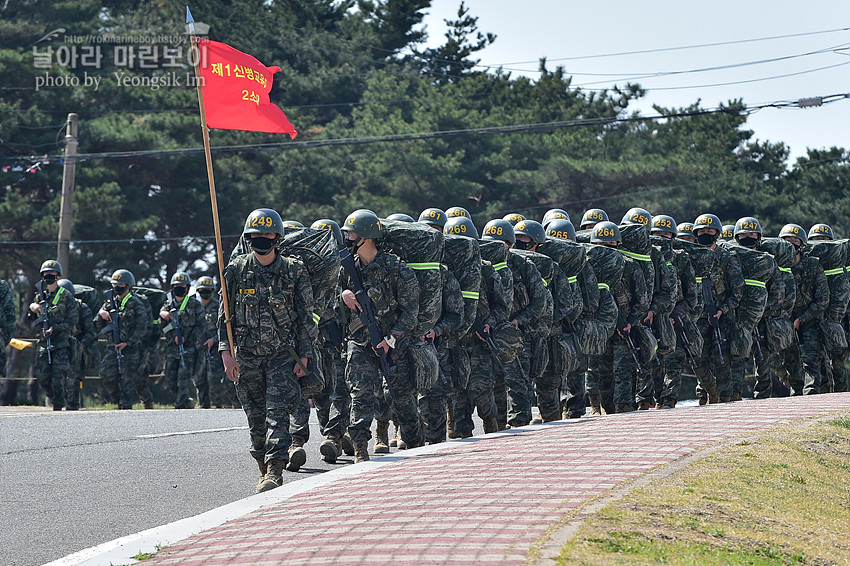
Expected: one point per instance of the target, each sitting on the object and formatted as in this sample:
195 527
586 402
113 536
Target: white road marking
187 432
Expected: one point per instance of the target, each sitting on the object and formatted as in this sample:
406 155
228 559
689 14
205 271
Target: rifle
114 326
332 334
478 327
627 336
178 330
367 314
708 295
679 326
44 320
757 338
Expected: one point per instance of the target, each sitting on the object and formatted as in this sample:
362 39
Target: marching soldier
433 217
185 323
222 392
56 311
118 365
83 338
7 329
592 217
271 304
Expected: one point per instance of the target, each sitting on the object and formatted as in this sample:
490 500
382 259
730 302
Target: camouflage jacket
210 329
451 317
7 313
63 314
532 302
190 316
728 280
689 295
630 293
85 332
497 293
271 307
665 289
812 290
394 291
132 319
565 298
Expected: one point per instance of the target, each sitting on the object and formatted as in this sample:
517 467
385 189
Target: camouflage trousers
121 387
479 394
669 374
55 378
269 393
714 376
612 375
432 403
514 390
200 377
645 380
222 390
333 404
834 372
574 392
801 365
178 378
362 371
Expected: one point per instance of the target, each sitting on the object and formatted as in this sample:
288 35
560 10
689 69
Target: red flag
236 91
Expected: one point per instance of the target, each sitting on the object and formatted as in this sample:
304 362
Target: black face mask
353 245
706 239
748 241
798 248
179 291
205 293
119 289
49 279
520 245
262 246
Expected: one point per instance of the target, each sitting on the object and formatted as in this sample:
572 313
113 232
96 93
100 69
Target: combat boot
736 396
666 403
623 408
382 443
347 445
596 406
297 455
703 400
361 451
263 469
273 477
643 406
724 399
396 435
450 420
491 425
330 449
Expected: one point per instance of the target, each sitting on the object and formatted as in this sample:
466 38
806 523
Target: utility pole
66 211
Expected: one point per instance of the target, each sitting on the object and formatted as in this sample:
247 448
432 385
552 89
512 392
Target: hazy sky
561 29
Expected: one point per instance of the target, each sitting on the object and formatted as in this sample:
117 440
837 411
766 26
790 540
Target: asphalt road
70 481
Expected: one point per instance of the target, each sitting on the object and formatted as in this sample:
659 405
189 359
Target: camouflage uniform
191 317
55 377
573 392
333 405
803 363
272 319
432 404
775 298
714 377
613 375
133 320
394 291
532 309
7 322
222 390
84 337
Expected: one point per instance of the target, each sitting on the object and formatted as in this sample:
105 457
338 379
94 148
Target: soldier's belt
355 325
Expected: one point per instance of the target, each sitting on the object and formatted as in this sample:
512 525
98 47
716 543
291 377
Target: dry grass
782 497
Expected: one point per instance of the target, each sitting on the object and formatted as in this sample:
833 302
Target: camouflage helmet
532 229
514 218
746 224
433 216
263 221
292 224
68 286
561 229
554 214
51 265
605 232
794 230
205 282
637 217
499 229
727 233
593 216
181 278
122 277
457 211
328 224
685 229
821 231
707 221
400 217
663 223
460 226
364 223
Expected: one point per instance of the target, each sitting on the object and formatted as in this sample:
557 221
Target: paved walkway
482 500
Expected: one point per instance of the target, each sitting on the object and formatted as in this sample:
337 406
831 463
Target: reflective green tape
573 279
785 269
635 256
470 295
755 283
498 266
604 286
836 271
544 282
124 302
316 318
699 280
424 266
184 303
58 295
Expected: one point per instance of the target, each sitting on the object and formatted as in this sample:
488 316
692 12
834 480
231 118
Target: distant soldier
433 217
727 234
118 367
222 392
184 322
394 292
83 337
592 217
685 231
271 309
55 312
803 363
7 330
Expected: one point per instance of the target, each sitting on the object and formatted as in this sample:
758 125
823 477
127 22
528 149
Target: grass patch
779 498
145 555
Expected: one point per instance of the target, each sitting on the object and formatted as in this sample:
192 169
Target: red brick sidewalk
484 500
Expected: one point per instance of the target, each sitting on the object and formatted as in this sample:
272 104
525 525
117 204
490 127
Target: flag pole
213 201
